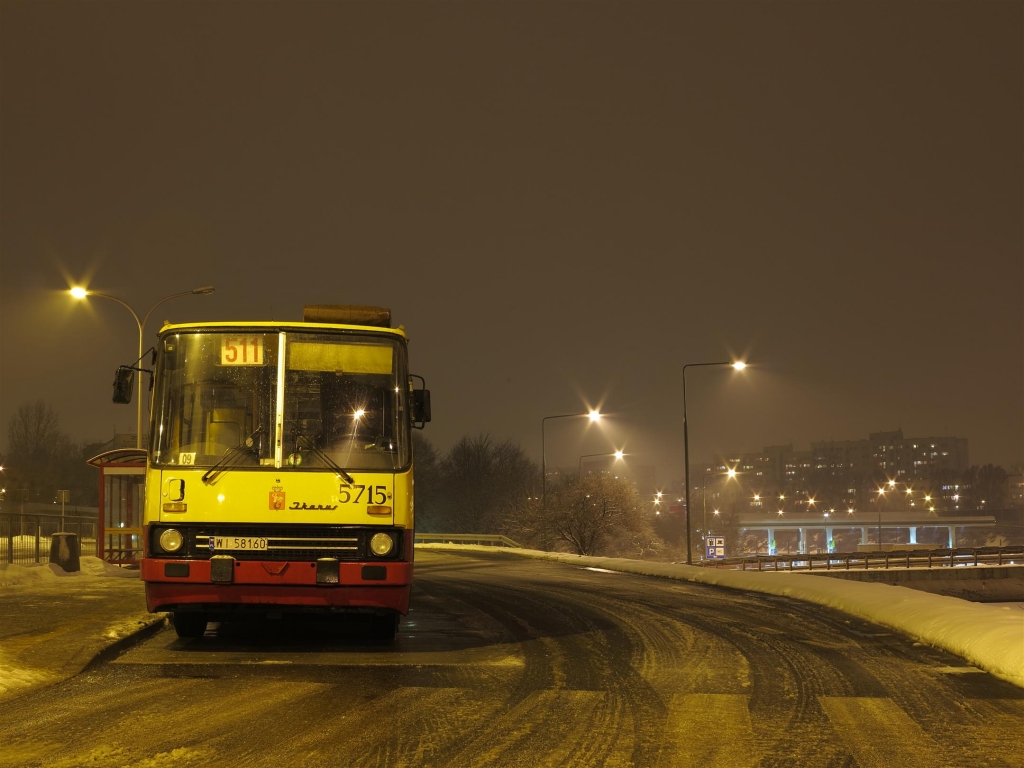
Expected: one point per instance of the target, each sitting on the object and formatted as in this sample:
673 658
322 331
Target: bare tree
428 481
479 479
598 514
989 484
41 458
33 431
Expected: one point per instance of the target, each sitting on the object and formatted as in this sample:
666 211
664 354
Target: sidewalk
53 624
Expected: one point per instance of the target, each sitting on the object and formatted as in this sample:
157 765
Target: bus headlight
170 540
381 544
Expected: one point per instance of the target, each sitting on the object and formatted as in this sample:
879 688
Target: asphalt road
512 662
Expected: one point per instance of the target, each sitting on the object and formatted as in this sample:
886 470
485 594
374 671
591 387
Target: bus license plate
240 542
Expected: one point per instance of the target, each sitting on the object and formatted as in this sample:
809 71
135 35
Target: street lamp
878 499
704 496
593 414
617 454
738 365
78 292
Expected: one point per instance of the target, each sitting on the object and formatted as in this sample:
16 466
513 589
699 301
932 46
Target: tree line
484 485
41 459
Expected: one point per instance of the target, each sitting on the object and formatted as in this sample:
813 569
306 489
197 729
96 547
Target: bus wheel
189 624
384 628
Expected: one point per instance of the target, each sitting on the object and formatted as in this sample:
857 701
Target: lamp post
617 454
81 293
878 500
704 496
739 366
593 415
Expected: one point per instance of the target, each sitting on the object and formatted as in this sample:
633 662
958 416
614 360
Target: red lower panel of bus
274 582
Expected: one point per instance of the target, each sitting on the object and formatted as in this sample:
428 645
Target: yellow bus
280 470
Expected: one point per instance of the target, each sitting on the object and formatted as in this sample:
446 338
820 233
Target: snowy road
515 662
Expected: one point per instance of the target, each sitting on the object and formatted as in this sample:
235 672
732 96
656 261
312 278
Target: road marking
879 733
709 729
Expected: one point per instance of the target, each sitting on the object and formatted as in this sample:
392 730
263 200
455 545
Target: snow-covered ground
92 567
990 636
97 584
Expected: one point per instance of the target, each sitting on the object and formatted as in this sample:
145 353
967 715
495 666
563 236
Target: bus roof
282 325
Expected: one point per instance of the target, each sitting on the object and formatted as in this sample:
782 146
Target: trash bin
64 551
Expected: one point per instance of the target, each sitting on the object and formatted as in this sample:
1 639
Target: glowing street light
729 475
593 414
617 454
78 292
738 365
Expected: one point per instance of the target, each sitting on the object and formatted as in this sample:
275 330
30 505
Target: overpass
909 521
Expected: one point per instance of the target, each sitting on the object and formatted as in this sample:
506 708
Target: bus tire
383 628
189 625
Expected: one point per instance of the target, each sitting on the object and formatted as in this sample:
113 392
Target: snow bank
92 568
990 637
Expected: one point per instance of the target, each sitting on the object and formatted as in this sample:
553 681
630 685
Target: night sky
563 204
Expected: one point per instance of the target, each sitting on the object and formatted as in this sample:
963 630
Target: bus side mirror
124 379
420 407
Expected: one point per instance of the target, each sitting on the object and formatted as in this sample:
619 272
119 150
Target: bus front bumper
226 582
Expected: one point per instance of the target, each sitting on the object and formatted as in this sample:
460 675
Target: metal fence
25 539
909 558
487 539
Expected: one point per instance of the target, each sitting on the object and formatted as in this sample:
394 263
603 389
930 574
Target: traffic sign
715 547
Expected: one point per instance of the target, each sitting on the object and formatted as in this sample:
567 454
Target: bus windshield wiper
223 465
326 459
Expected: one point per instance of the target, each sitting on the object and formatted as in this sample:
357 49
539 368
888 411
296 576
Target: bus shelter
122 494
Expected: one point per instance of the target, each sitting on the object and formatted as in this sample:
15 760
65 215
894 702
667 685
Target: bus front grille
292 542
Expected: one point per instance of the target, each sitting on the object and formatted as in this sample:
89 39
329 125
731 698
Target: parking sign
715 546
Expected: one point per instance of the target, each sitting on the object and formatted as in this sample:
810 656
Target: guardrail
909 558
25 539
466 538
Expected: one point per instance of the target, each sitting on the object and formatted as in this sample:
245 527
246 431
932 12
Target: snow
990 636
92 568
95 578
14 676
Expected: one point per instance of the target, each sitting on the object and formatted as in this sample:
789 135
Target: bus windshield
342 404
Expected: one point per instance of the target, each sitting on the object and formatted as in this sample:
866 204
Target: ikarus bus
280 469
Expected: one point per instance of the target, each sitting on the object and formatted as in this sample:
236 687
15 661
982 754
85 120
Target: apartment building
845 470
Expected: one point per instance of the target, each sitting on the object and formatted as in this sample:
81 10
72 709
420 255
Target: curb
148 626
117 647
